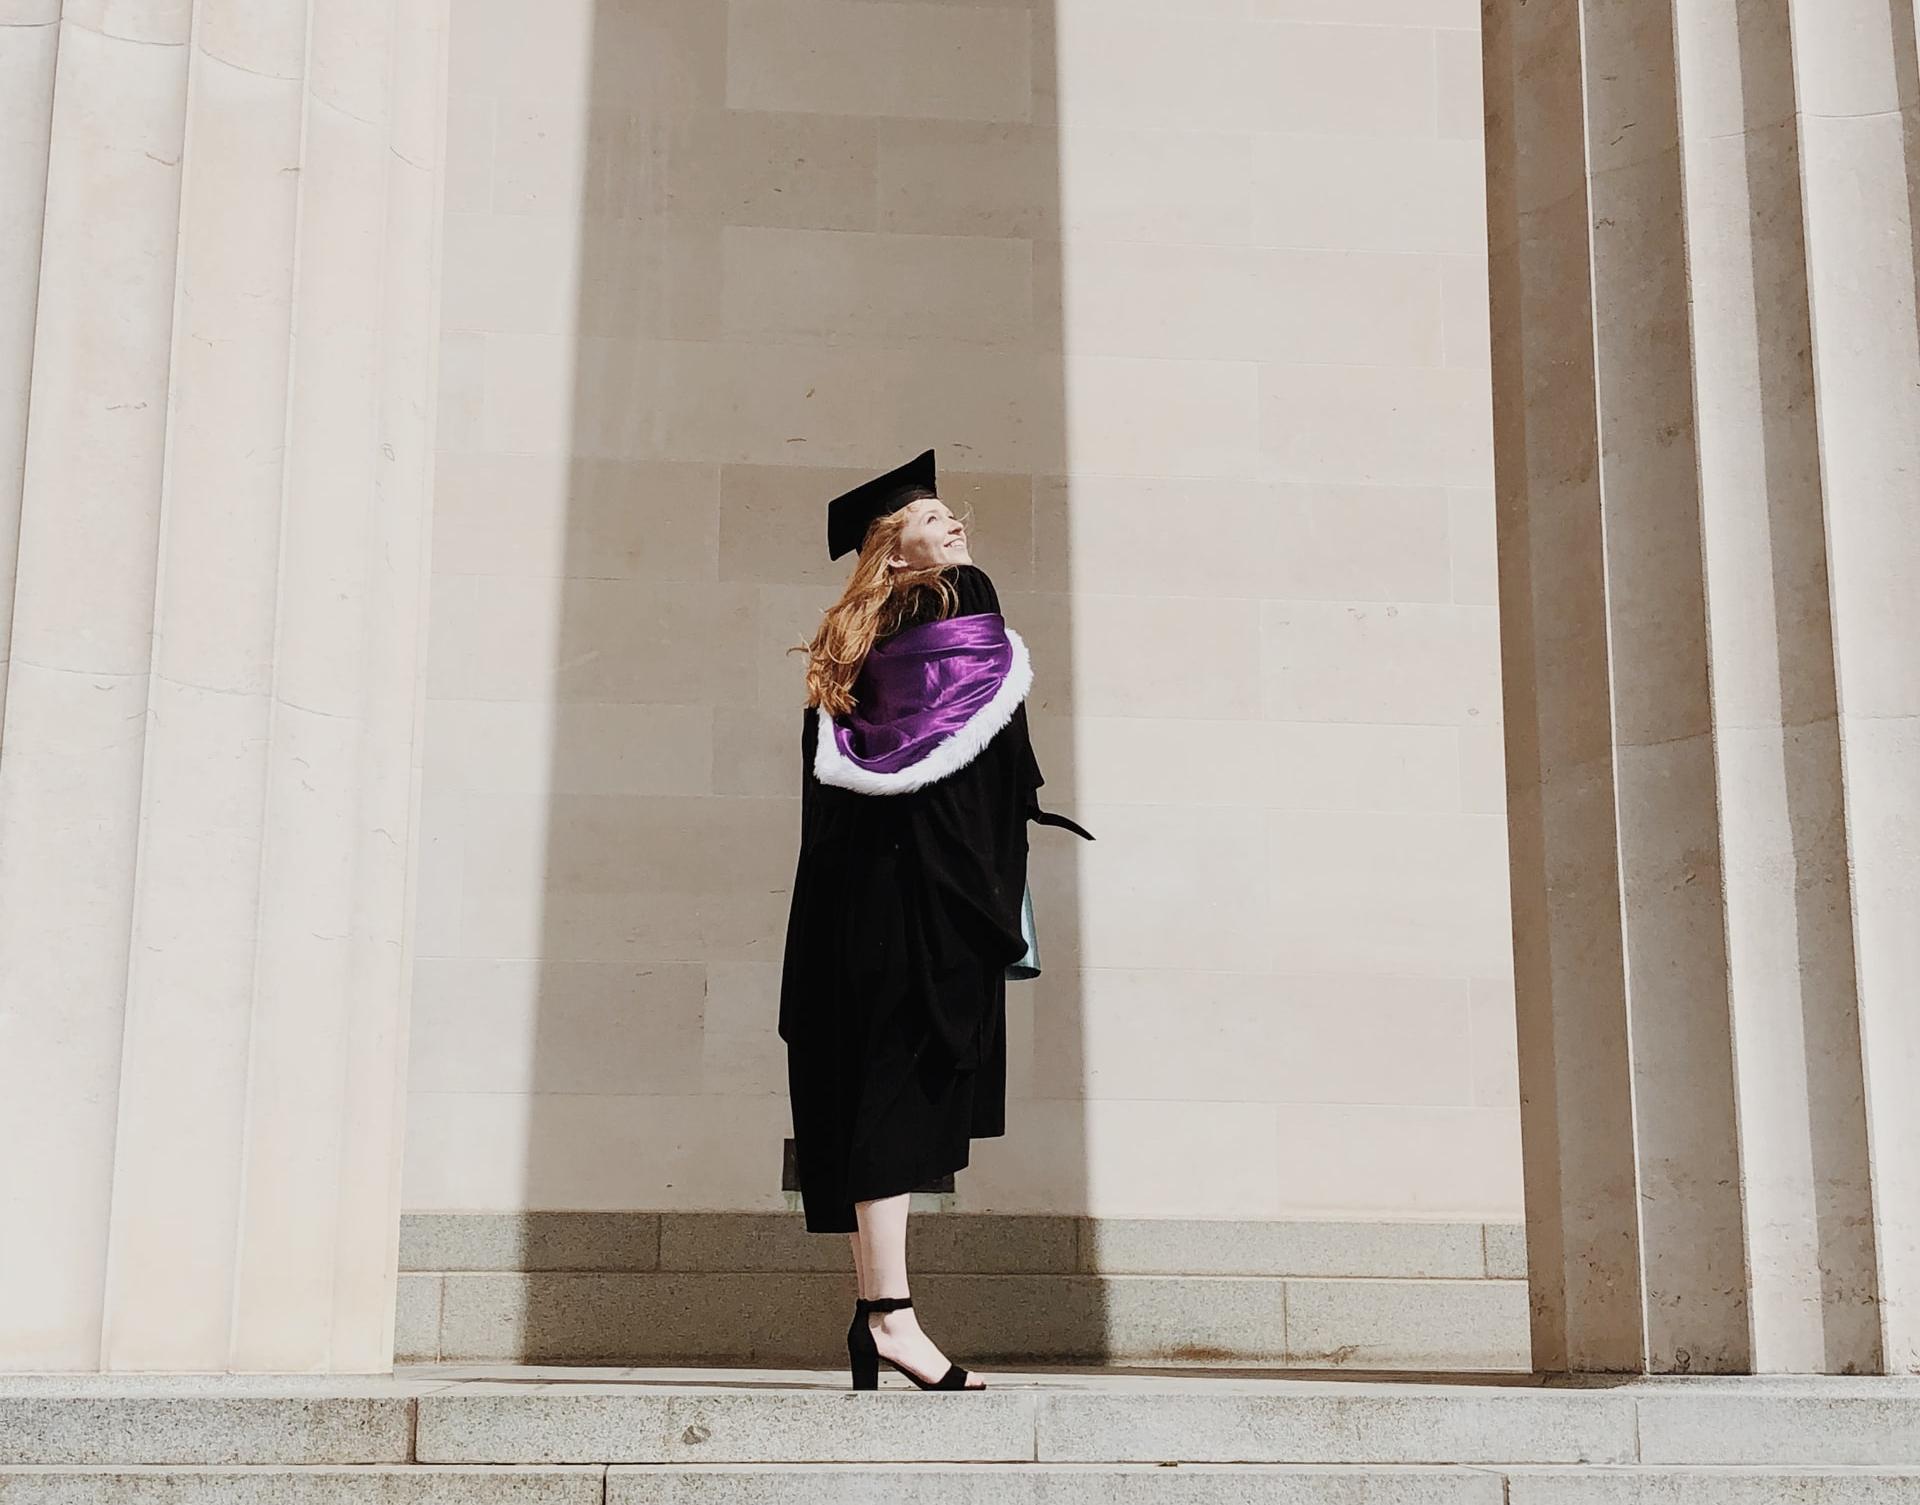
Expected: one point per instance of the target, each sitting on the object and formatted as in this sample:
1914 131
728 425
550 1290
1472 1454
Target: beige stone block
512 1242
968 177
1178 1159
510 273
1161 885
1472 535
1505 1244
554 515
1118 183
1137 760
440 875
1331 661
1202 1036
853 57
588 748
702 166
1216 70
1021 1026
1250 303
785 620
1435 1325
1103 182
1417 895
1387 1160
742 167
1039 1164
1714 1485
756 749
1283 765
1132 416
773 523
1495 1054
661 277
1288 1246
1377 424
671 54
1851 1423
596 640
1360 193
1142 65
1109 535
1352 766
1168 656
1457 14
470 158
503 1152
1125 1159
1461 98
530 1025
416 1325
693 400
460 425
1331 80
611 877
741 1052
1467 312
1483 770
552 274
839 286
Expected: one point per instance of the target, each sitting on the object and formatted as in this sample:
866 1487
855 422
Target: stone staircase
703 1288
436 1434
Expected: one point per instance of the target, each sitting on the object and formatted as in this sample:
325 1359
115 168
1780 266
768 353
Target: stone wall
1191 302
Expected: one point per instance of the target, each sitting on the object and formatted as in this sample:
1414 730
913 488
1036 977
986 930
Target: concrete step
956 1484
334 1484
522 1428
628 1287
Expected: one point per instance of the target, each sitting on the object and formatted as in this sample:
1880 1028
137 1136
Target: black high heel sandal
864 1356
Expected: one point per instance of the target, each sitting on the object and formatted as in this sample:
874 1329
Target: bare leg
883 1272
859 1263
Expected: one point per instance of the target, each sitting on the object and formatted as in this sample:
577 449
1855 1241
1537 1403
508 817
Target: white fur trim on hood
952 752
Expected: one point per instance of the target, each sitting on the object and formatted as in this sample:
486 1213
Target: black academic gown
905 916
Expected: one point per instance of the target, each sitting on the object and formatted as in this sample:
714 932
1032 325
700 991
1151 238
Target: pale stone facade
1135 273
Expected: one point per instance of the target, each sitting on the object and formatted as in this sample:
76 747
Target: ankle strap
884 1303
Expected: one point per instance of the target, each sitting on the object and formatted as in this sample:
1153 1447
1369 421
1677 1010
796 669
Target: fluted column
1707 435
209 759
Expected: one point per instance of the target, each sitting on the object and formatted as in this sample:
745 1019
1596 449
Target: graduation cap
850 514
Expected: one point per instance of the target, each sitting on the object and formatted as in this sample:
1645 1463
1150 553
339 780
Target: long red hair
873 603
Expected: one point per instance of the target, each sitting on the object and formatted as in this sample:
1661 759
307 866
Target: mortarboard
850 514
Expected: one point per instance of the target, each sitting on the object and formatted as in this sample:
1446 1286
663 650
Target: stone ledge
1634 1485
1052 1484
1828 1439
54 1422
789 1318
964 1243
957 1484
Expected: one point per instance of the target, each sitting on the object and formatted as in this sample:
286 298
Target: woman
910 901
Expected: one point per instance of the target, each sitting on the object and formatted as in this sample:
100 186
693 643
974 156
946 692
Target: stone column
1707 434
209 759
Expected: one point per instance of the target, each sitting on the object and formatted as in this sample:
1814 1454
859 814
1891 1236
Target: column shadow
773 302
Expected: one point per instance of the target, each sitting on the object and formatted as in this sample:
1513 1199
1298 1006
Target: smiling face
931 536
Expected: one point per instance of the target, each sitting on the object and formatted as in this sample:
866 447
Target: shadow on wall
791 274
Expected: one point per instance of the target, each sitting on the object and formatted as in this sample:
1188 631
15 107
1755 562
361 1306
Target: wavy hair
873 603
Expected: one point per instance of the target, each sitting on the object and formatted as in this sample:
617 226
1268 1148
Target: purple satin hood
927 699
